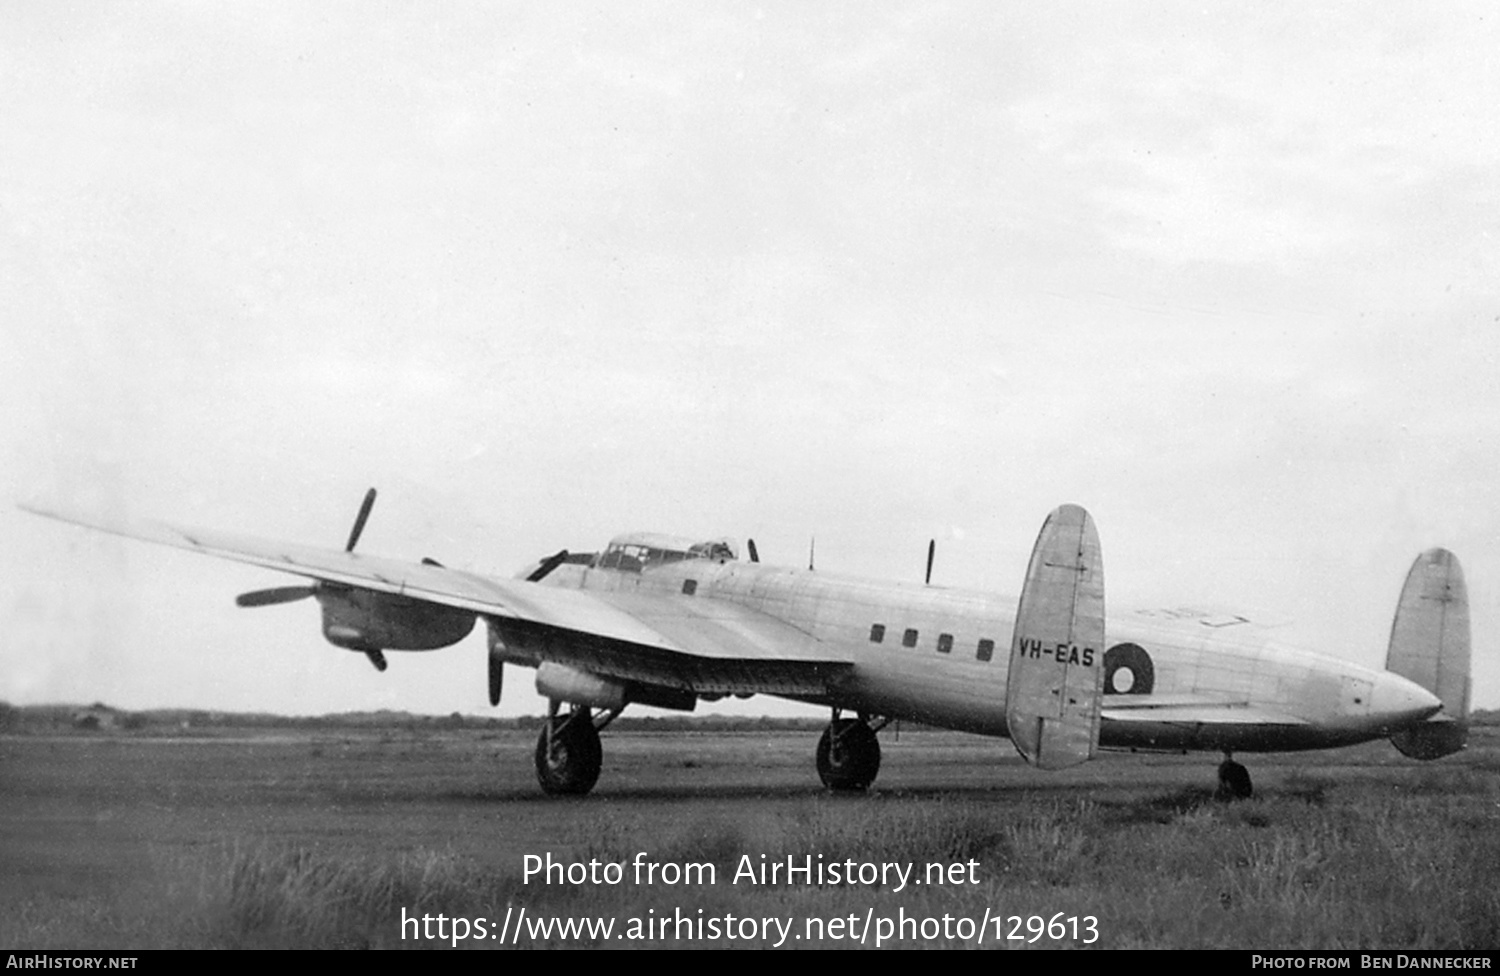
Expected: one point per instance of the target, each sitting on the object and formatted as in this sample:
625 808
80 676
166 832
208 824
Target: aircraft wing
698 644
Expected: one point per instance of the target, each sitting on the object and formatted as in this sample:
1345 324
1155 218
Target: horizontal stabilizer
1432 740
1197 714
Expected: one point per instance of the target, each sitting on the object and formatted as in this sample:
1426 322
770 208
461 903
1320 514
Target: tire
576 757
1234 781
853 766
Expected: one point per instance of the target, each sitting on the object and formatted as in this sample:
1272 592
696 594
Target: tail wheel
568 754
848 756
1234 781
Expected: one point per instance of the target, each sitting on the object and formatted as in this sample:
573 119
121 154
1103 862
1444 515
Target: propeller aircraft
667 622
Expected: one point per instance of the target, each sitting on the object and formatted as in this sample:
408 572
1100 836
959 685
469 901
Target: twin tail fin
1430 645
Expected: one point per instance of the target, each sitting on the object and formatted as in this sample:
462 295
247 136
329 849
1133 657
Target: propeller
497 678
290 594
280 594
754 556
547 566
931 551
359 520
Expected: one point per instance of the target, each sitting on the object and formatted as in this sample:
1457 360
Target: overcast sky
1228 277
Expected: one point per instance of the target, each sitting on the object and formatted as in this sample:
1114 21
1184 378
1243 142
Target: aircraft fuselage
940 656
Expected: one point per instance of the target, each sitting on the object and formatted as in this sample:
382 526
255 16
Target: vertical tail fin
1430 645
1057 654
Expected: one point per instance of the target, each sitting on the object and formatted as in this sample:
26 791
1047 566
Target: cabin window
877 633
945 643
986 650
689 587
909 639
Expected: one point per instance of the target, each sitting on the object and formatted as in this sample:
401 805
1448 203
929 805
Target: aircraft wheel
1234 781
851 764
571 766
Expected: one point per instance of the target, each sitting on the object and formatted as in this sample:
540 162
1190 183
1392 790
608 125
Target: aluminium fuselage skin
1173 679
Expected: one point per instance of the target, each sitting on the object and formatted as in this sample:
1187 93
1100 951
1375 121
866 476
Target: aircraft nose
1399 699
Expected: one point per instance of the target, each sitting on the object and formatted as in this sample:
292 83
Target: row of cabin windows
983 652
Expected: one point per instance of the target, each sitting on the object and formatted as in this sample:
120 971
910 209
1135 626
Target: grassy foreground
1317 863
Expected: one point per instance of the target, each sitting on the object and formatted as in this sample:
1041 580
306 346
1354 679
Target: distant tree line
102 717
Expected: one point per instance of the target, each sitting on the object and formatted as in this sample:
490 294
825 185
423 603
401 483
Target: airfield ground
303 837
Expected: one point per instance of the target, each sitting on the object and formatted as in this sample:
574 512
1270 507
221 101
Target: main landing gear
1234 780
568 753
849 753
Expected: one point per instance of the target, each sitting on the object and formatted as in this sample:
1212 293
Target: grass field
124 839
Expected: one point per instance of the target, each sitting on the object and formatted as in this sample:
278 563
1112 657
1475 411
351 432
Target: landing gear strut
568 754
1234 780
849 754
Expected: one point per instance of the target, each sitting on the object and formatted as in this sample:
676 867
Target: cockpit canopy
636 551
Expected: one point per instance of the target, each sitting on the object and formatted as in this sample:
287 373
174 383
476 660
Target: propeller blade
376 658
497 678
754 556
429 561
280 594
547 566
359 520
931 551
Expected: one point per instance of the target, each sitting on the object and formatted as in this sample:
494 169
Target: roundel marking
1128 670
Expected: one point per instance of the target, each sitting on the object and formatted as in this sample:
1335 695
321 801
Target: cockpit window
631 558
719 551
635 553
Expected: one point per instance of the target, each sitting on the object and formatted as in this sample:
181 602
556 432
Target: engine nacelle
362 620
562 683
